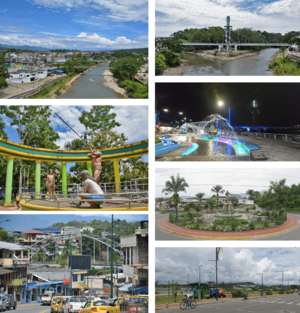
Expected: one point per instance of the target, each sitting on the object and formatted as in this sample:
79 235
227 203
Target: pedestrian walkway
289 225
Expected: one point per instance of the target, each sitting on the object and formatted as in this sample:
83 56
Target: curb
228 238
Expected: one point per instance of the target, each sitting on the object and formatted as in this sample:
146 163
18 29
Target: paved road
31 308
279 304
163 235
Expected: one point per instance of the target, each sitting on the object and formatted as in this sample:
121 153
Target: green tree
4 72
33 127
125 68
175 289
3 235
3 82
234 200
174 186
250 193
217 190
68 66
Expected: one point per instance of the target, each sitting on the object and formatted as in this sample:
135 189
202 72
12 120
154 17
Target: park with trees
32 124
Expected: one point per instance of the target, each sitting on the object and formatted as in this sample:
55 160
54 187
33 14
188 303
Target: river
255 65
90 86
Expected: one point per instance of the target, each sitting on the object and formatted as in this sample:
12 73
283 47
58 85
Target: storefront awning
4 271
139 289
125 288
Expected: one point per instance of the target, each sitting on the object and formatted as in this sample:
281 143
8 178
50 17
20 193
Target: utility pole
217 291
111 256
71 291
199 275
94 253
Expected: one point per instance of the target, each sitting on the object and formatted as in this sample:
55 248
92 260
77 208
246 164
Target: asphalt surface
31 308
278 304
164 235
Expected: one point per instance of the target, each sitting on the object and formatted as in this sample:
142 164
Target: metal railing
283 137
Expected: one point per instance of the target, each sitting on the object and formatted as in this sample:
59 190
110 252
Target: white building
246 201
28 75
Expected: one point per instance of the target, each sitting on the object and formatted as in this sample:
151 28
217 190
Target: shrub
237 294
57 92
269 293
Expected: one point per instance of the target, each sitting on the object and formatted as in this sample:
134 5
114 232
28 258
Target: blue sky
238 264
133 120
75 24
26 222
278 16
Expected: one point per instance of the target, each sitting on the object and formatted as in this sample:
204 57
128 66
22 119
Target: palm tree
76 144
211 202
218 189
174 186
199 197
134 163
160 200
250 192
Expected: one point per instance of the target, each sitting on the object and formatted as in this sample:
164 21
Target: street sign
17 282
31 285
66 281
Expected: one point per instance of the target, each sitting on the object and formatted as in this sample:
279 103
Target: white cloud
278 16
121 10
238 265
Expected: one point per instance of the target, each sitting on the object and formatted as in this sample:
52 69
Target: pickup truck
74 304
47 297
127 304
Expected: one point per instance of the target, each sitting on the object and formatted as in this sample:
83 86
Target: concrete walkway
289 225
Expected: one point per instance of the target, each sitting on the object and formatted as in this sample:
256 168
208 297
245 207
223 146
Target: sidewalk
212 301
289 225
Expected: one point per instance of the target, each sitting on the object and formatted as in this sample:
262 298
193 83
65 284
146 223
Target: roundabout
163 224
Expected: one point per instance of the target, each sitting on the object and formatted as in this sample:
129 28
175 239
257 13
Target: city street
32 308
278 304
164 235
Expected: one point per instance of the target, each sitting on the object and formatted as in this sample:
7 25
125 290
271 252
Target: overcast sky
278 16
238 265
233 180
75 24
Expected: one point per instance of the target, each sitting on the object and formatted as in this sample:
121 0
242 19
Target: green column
64 178
90 168
37 178
9 180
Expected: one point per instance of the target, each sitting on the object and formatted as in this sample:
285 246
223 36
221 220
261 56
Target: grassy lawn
157 140
283 66
134 89
47 93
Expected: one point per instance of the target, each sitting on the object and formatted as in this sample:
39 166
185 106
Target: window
18 253
82 277
25 254
74 277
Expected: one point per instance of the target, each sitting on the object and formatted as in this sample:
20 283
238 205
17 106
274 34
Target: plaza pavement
269 304
163 224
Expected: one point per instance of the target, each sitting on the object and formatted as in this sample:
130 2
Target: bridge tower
228 30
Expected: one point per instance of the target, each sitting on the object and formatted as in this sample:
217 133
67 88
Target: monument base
227 208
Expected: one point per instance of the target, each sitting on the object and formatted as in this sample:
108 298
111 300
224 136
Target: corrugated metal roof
34 232
11 246
4 271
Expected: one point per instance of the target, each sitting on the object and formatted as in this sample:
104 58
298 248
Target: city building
27 75
135 259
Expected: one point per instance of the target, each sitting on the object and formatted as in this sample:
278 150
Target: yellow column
37 179
117 175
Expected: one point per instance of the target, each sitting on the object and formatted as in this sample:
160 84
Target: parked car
55 303
74 304
47 297
3 303
11 302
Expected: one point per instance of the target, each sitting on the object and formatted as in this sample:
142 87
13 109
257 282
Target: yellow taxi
55 303
62 302
128 303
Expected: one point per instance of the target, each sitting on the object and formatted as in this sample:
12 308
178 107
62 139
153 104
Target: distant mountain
28 222
2 47
132 50
238 196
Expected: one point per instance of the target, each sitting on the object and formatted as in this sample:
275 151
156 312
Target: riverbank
281 65
227 56
112 83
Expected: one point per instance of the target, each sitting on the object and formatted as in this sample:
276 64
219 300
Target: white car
74 304
47 297
3 303
298 292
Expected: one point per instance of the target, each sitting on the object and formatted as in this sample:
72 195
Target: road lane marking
48 310
281 302
290 303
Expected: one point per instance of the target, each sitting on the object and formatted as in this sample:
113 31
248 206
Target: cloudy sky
26 222
75 24
277 16
133 120
235 181
238 265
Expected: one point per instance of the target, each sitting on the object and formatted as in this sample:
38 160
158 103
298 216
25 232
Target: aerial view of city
73 50
217 38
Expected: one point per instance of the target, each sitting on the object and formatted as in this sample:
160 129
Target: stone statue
227 196
50 183
96 156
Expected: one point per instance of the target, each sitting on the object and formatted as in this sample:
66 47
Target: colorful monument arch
13 151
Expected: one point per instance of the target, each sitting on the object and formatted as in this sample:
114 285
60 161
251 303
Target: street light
180 113
220 103
200 274
166 110
262 283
